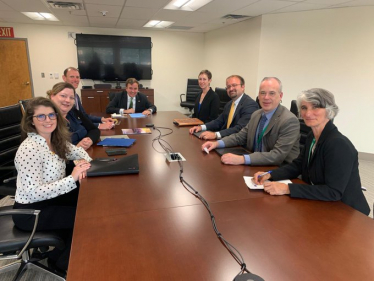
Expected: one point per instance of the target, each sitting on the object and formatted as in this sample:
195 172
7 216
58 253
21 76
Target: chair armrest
23 212
181 96
19 212
5 168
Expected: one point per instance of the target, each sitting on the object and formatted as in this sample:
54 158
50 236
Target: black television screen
114 58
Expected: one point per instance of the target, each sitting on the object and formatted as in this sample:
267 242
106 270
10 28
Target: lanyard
311 148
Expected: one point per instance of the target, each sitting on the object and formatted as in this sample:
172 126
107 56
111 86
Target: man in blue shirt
72 76
272 134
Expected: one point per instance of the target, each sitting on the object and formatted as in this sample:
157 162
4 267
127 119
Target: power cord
232 250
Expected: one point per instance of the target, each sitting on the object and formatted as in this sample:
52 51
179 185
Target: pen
263 174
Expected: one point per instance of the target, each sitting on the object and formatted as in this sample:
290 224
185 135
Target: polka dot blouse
41 173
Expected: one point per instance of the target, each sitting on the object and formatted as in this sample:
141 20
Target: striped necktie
231 114
261 125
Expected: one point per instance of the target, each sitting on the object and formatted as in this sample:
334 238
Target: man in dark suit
236 113
272 134
72 76
131 101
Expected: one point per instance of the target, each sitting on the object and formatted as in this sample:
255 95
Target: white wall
176 56
234 50
331 49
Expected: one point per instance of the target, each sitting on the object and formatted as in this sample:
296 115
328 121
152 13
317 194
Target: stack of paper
248 181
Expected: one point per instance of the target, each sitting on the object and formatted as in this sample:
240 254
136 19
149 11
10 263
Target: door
15 78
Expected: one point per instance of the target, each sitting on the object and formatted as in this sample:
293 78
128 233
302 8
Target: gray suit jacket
280 141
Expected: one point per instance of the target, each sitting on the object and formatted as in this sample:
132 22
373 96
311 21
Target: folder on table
137 115
136 131
117 142
188 122
113 166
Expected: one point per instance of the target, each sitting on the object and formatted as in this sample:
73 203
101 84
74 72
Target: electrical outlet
50 75
43 75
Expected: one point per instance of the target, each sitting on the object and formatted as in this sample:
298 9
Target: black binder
114 166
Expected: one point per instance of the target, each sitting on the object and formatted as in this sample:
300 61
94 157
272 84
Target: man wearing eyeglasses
236 113
272 134
72 76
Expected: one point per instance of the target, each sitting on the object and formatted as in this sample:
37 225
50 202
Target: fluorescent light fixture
186 5
40 16
158 24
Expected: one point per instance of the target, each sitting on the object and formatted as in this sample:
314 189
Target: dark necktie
131 104
260 133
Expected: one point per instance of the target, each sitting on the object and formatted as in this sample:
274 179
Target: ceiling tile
131 23
170 15
356 3
301 7
262 7
225 6
103 20
107 2
147 3
94 10
138 13
5 7
327 2
27 6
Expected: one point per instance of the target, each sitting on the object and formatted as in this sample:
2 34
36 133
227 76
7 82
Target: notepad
136 131
117 142
248 181
137 115
116 115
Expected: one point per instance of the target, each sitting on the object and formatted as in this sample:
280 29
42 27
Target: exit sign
6 32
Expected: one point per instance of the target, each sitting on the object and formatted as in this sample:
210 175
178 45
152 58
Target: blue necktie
261 125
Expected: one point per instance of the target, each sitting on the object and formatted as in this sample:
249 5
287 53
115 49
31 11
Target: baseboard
366 156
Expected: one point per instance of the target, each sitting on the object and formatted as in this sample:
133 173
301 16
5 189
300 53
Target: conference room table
148 226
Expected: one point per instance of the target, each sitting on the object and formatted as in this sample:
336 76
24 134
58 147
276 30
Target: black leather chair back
23 104
10 138
193 90
223 98
304 131
294 109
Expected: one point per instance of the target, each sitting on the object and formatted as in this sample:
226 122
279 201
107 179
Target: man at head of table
272 134
130 101
236 113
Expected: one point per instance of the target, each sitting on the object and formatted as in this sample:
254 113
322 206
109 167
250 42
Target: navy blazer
94 119
209 108
332 173
80 127
120 101
242 115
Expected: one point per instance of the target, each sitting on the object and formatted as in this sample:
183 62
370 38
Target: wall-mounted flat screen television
114 58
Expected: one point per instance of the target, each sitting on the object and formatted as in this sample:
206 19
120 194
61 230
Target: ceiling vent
235 17
180 27
65 5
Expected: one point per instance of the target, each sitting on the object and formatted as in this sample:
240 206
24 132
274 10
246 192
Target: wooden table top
149 227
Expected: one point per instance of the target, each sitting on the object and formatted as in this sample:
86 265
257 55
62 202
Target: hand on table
232 159
85 143
208 135
210 145
195 129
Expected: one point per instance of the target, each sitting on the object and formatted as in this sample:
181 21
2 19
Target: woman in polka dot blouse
42 183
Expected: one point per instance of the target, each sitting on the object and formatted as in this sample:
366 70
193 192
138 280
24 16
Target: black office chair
10 139
258 102
193 90
16 244
223 98
294 109
23 104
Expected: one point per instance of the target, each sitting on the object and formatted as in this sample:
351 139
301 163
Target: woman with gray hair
328 163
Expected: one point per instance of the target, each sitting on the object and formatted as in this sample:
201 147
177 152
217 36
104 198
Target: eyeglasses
43 117
228 87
